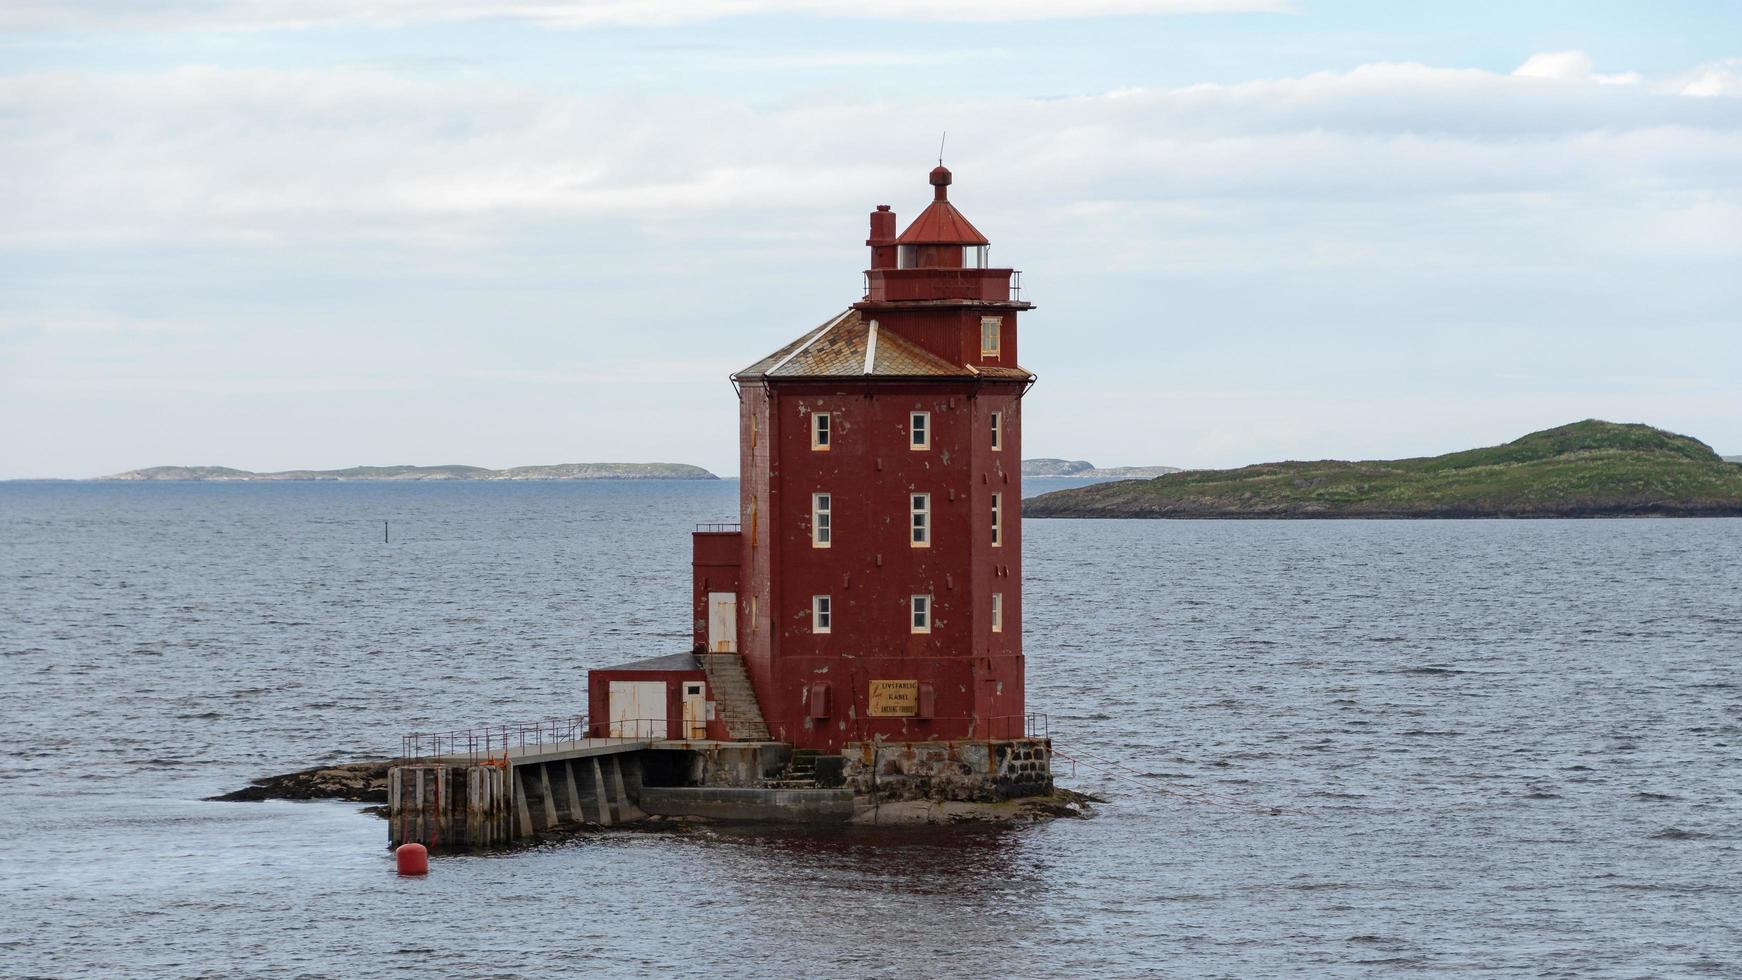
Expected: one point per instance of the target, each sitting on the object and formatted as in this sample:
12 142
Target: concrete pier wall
473 807
720 763
456 807
750 803
448 807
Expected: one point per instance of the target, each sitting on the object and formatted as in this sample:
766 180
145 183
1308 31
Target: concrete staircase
801 772
734 696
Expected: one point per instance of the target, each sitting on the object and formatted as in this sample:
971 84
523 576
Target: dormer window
989 335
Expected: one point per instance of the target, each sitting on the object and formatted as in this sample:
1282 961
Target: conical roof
940 223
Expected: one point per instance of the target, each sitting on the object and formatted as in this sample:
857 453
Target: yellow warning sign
894 699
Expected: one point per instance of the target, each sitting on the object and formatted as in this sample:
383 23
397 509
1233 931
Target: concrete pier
471 803
466 803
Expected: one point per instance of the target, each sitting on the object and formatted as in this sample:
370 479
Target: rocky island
1586 469
1083 469
558 471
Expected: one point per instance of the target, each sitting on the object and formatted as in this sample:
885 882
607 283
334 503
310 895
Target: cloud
95 324
1715 78
1570 66
504 252
229 155
293 14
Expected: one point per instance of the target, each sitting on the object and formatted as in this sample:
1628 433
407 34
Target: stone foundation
969 771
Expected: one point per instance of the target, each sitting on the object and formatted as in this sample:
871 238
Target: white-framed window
989 331
919 510
821 614
997 612
820 431
919 430
997 432
821 526
921 606
997 520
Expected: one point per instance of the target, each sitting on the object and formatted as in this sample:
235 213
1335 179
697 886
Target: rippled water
1518 746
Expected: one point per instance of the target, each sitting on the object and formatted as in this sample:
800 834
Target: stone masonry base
973 771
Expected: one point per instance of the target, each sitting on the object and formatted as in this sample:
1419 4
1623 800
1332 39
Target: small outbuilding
662 697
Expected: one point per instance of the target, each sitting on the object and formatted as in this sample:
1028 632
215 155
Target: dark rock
356 782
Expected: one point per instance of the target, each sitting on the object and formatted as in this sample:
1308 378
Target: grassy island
1586 469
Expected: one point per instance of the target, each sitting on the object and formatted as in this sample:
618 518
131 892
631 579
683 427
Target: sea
1327 748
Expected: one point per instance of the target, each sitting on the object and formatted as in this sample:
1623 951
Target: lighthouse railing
487 742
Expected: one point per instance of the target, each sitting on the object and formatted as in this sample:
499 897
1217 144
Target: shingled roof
839 349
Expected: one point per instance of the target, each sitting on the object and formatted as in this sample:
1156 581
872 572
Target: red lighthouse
881 543
869 600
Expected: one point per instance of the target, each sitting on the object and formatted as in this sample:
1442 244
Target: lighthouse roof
849 346
940 223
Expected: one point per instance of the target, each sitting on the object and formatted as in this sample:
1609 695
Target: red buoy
413 859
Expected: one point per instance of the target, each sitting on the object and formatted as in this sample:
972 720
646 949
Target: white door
695 710
722 622
638 709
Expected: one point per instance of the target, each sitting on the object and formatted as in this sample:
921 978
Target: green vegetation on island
558 471
1082 468
1587 469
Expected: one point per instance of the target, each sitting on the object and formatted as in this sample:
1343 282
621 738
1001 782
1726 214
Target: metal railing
719 528
498 742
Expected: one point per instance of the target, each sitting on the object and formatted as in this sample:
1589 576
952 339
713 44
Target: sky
280 234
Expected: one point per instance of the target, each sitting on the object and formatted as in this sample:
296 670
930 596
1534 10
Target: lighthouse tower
879 556
861 622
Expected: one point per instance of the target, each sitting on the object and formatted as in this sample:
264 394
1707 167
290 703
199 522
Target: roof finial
940 175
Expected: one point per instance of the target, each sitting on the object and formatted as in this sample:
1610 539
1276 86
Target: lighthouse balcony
976 285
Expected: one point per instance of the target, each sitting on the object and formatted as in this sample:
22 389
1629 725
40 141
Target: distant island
1733 459
1586 469
558 471
1082 468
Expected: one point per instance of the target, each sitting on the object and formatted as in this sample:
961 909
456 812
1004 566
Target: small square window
989 339
997 520
821 614
820 431
919 430
822 525
921 613
997 431
919 509
997 612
